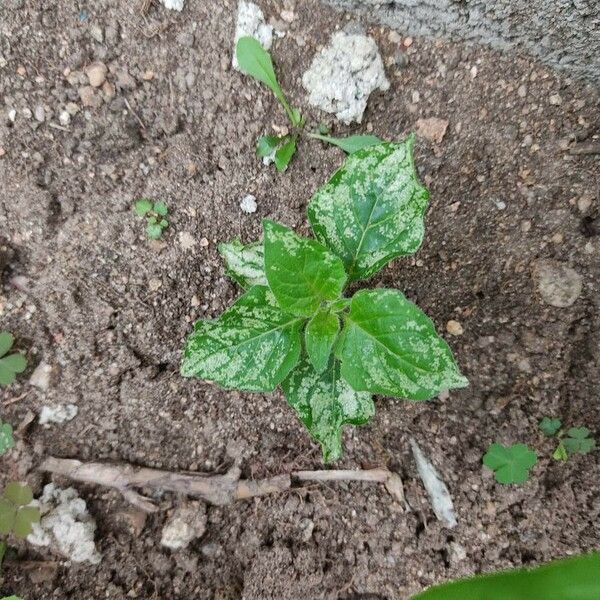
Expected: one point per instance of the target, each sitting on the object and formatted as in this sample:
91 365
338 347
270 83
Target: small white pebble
64 117
248 204
454 327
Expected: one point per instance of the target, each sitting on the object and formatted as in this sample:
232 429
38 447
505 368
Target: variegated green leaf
389 346
302 273
245 264
325 403
319 337
6 437
371 211
252 346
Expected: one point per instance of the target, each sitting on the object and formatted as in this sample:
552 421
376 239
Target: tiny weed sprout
294 327
576 440
256 62
15 516
6 438
155 214
510 464
10 364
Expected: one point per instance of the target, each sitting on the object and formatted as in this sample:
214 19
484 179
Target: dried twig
214 489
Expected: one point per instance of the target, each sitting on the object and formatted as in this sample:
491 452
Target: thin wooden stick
214 489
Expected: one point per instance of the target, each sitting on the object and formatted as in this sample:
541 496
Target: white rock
558 284
248 204
251 22
343 74
187 240
39 113
57 414
64 117
174 4
12 115
96 74
186 524
439 495
40 378
66 525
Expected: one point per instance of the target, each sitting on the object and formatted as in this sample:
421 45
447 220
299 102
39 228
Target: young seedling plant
294 325
256 62
510 464
10 364
576 440
155 214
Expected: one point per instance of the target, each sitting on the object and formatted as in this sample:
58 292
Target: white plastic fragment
58 414
435 487
248 204
343 74
186 524
251 22
66 525
173 4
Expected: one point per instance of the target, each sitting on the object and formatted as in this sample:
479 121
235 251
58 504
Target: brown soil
109 311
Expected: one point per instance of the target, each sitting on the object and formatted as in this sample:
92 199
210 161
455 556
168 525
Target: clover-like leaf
560 453
284 154
143 206
8 514
510 464
252 346
578 441
18 493
154 231
325 402
160 208
302 273
349 144
319 337
6 437
26 516
12 364
389 346
549 426
245 264
371 211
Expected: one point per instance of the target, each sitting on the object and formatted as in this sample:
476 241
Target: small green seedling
576 440
6 437
15 516
156 216
293 326
12 598
510 464
255 61
10 364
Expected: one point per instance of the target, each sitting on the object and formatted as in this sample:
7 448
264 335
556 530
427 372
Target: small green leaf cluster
155 214
510 464
6 437
256 62
576 440
15 516
294 326
10 364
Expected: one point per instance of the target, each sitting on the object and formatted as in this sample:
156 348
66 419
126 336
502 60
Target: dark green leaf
8 513
26 516
160 208
578 442
244 264
320 335
389 346
325 402
143 206
267 144
19 494
6 342
351 143
6 437
252 346
549 426
284 154
569 579
154 231
301 272
371 211
510 464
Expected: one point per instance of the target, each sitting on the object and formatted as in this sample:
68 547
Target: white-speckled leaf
245 264
371 210
389 346
252 346
325 402
301 273
319 337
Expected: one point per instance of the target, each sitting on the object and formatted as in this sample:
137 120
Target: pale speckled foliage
320 334
389 346
301 273
325 402
371 211
252 346
245 264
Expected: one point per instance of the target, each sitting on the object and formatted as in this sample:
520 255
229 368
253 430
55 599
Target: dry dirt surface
514 181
